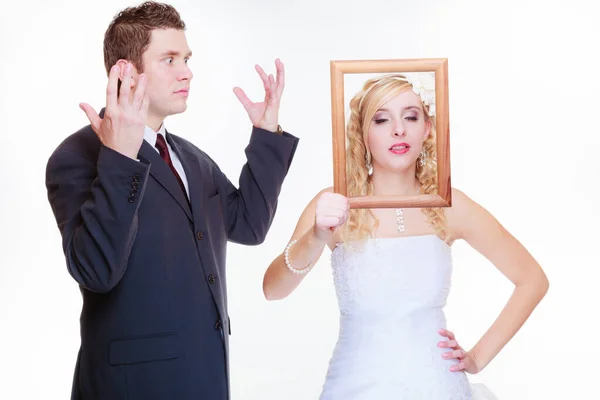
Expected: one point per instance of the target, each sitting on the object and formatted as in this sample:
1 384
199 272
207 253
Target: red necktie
161 145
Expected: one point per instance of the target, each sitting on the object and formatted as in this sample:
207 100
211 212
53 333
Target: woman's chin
398 168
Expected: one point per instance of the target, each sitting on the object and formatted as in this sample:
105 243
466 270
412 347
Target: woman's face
397 132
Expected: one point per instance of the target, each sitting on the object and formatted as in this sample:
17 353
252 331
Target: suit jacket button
218 325
131 198
212 279
200 235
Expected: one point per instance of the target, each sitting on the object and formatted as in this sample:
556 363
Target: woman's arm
471 222
329 209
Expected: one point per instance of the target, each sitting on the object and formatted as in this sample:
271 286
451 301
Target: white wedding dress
391 295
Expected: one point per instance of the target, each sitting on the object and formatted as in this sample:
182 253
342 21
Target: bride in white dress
392 268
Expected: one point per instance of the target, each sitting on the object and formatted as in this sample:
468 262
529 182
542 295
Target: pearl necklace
400 219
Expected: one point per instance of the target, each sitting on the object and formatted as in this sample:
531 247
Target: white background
523 87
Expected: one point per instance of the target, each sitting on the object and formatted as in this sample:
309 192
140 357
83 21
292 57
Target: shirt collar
150 135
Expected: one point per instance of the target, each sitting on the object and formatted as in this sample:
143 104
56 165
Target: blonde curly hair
376 92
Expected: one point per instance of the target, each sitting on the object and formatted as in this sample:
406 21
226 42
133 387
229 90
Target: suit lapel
193 171
163 174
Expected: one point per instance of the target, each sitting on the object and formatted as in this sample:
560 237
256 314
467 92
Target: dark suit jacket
151 268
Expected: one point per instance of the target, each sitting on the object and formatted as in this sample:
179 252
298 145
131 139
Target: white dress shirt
150 137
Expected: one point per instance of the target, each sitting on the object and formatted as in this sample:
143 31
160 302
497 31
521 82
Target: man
145 217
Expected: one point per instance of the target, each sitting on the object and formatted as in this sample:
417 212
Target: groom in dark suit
145 217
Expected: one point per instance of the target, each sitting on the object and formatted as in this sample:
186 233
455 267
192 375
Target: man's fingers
280 77
92 115
272 90
140 91
263 76
112 88
144 108
242 98
125 85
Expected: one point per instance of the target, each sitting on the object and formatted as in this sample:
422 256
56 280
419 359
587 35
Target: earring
422 158
368 163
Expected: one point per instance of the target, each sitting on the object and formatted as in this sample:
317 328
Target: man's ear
122 63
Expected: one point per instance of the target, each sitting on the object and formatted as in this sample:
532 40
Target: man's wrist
273 128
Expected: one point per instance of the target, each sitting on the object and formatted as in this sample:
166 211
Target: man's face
168 75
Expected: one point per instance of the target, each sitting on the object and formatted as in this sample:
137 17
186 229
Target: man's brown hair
128 34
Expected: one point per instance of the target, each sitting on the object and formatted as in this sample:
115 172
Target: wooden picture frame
439 66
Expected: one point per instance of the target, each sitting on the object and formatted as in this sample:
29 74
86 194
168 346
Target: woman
392 268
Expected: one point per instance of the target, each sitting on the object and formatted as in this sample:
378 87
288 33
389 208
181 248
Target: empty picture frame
439 67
